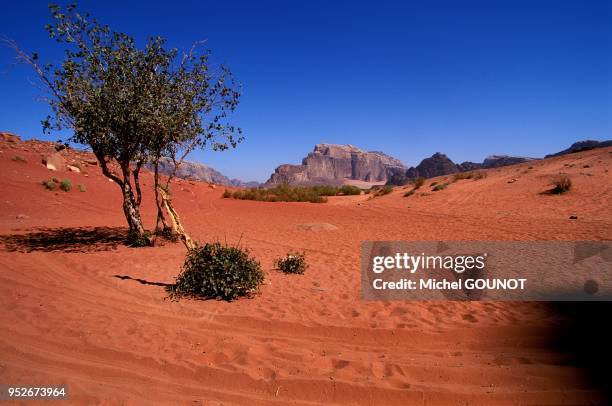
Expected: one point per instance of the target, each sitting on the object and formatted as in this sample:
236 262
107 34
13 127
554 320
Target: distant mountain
200 172
439 164
336 164
582 146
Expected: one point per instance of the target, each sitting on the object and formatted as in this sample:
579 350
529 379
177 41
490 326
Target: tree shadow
144 281
66 239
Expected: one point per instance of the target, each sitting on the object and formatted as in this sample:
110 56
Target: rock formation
436 165
200 172
582 146
334 164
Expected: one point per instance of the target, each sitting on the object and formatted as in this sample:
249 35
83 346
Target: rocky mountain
439 164
334 164
201 172
582 146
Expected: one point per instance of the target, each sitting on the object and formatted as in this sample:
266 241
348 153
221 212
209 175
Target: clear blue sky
468 78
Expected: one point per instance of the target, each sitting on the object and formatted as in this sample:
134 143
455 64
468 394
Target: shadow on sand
585 338
76 239
144 281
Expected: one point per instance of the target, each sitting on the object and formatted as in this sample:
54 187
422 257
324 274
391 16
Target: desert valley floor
79 308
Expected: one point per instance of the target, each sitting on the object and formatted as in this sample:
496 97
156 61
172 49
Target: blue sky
467 78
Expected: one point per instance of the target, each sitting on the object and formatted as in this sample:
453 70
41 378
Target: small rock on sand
573 217
72 168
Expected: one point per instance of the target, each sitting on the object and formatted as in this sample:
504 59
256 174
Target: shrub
54 179
66 185
385 190
462 175
441 186
562 184
409 193
135 239
433 184
81 187
479 175
227 194
18 158
292 263
49 184
348 190
418 182
216 271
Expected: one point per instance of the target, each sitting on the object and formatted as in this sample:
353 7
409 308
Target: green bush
418 182
409 193
292 263
216 271
348 190
562 184
462 175
134 239
441 186
227 194
433 184
49 184
66 185
385 190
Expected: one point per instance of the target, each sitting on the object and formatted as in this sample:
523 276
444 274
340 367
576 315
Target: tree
131 105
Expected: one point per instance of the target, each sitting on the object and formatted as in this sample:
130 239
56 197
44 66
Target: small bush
348 190
479 175
66 185
216 271
227 194
167 233
433 184
292 263
81 188
138 240
385 190
49 184
462 175
18 158
409 193
418 182
56 180
441 186
562 184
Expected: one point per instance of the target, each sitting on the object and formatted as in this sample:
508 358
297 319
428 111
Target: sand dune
93 314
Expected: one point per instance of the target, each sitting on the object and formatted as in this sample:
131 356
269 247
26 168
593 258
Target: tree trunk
176 221
137 234
161 219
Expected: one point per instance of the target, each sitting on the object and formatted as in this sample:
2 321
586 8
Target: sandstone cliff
334 164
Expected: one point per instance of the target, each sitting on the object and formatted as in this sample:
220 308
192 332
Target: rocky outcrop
439 165
436 165
495 161
55 162
333 164
582 146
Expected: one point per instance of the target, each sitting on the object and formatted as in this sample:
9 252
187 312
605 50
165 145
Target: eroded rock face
333 164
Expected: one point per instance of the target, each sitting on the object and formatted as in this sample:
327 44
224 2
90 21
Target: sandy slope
93 314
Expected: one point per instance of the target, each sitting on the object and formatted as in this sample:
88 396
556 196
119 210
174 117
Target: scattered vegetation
81 187
285 193
562 184
409 193
469 175
217 271
433 184
293 263
440 186
418 182
65 185
382 190
49 184
19 159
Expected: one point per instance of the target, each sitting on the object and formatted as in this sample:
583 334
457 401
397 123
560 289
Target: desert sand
81 309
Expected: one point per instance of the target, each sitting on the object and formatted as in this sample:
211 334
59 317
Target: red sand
67 319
